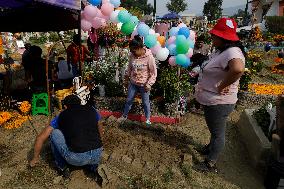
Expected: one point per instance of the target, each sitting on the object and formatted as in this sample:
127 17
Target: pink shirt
142 70
214 71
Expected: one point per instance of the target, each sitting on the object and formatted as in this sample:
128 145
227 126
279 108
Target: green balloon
127 28
182 48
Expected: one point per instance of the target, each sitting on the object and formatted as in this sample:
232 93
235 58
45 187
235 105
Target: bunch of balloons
179 45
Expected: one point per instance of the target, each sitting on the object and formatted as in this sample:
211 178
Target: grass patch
186 170
137 182
168 175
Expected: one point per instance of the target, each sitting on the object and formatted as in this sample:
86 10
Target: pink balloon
172 61
171 40
97 22
192 35
156 48
85 25
189 53
105 17
107 9
105 1
90 12
99 14
103 22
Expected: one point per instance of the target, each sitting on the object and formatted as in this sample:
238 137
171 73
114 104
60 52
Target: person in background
217 87
140 76
76 54
26 61
64 73
75 137
200 46
93 44
38 69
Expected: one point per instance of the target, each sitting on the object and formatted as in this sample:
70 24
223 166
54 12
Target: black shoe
66 173
98 178
206 166
204 150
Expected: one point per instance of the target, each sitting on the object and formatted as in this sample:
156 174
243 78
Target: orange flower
266 89
25 107
278 60
4 117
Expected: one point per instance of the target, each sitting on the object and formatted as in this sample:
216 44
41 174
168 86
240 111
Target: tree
142 5
213 9
177 6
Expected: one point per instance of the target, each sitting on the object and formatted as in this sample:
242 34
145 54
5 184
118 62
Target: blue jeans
132 90
216 118
75 70
64 156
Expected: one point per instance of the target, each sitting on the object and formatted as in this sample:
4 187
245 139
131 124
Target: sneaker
148 122
99 180
121 119
206 166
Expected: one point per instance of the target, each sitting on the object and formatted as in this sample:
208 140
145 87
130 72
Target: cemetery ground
134 157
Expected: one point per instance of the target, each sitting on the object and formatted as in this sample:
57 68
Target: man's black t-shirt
79 126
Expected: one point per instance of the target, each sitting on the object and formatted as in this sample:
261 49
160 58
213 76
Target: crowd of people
76 133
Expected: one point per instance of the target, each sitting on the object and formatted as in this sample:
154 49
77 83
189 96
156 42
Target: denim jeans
64 156
216 118
75 70
132 90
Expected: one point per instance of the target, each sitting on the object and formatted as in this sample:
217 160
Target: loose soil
134 157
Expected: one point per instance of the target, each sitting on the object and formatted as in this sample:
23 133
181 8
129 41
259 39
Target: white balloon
157 34
163 54
181 25
114 16
152 32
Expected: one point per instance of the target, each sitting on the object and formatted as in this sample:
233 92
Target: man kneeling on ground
75 137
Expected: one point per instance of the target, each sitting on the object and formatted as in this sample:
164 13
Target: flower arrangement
266 89
256 34
254 61
245 79
110 36
25 107
12 120
4 117
278 69
16 121
278 38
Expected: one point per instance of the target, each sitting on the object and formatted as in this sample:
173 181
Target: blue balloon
115 3
191 44
173 49
150 41
188 63
173 31
95 2
143 30
182 60
180 39
124 16
184 31
134 20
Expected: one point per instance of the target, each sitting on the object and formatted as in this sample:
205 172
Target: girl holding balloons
140 76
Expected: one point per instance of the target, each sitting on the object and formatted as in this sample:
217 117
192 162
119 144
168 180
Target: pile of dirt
135 156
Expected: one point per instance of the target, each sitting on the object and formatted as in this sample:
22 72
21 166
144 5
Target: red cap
226 29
